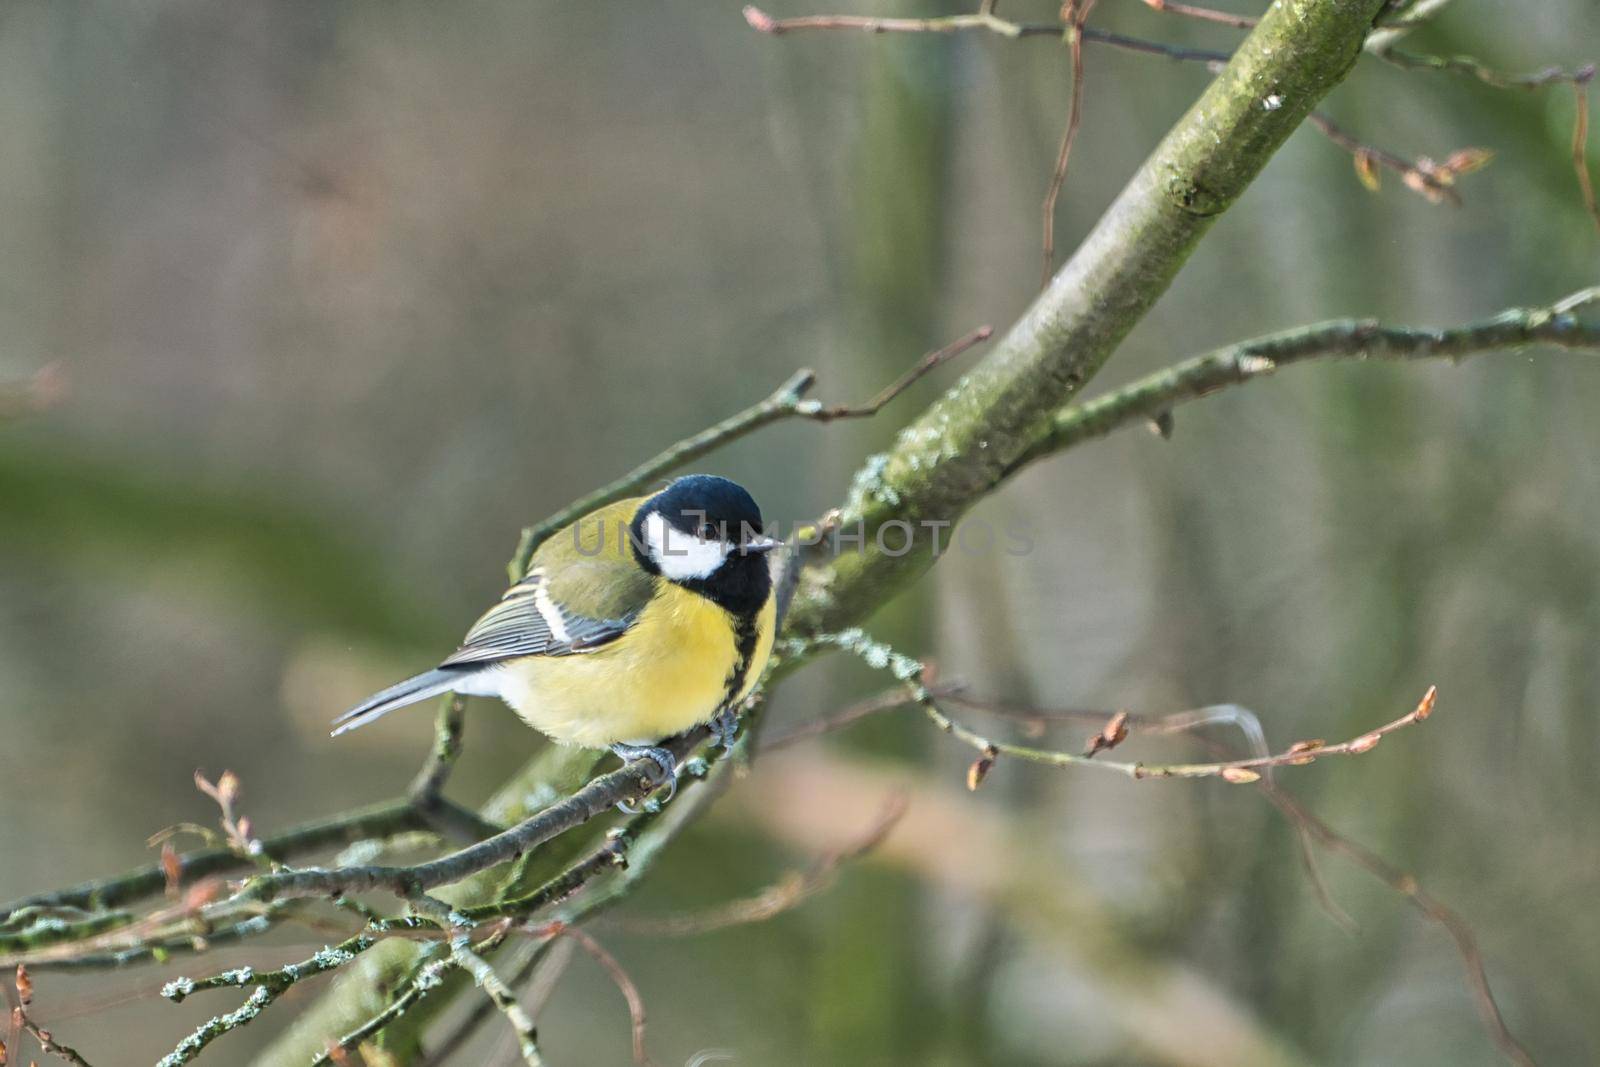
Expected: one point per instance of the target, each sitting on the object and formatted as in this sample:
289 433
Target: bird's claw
661 757
725 728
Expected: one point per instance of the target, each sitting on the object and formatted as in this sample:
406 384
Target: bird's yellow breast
670 671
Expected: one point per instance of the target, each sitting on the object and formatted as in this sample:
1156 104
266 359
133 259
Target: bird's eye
707 532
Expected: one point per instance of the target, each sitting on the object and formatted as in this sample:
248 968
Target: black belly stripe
746 634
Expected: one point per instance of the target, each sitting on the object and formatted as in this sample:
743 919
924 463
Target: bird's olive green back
589 567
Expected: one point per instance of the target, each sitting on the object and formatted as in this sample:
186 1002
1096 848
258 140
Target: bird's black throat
740 586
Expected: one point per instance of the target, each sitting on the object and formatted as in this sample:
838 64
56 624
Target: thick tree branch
966 444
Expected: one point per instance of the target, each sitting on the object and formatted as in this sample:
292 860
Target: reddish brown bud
171 866
980 769
1367 169
1365 743
1425 705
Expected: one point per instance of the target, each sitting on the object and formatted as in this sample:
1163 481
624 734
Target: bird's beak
758 545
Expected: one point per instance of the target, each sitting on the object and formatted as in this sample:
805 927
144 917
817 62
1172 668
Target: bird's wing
533 619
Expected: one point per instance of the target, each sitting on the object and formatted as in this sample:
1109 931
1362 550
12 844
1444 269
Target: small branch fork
20 996
788 401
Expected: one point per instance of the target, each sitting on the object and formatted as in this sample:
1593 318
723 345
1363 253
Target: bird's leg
661 757
725 727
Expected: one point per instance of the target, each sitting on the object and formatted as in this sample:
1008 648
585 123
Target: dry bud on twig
980 769
1111 735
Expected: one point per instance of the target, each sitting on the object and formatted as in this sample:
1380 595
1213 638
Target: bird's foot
725 727
661 757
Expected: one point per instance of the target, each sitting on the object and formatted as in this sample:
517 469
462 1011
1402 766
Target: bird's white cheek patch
680 556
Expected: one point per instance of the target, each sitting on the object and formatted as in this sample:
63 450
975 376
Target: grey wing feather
527 622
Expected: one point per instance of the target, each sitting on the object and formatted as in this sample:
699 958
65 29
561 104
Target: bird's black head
705 533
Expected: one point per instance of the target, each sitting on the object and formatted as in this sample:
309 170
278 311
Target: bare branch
377 821
426 978
1076 13
1430 906
908 672
811 409
268 987
626 785
501 996
789 892
1432 180
23 1022
1204 14
624 983
787 402
1381 44
1152 398
1580 148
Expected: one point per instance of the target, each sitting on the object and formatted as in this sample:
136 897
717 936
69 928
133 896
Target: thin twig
1580 149
269 986
537 966
1204 14
1430 179
1308 828
811 409
786 402
1152 398
888 700
1076 13
629 784
1381 44
764 23
235 827
1427 177
624 983
376 821
501 996
1430 906
788 892
908 672
1474 68
426 792
427 977
23 1022
447 729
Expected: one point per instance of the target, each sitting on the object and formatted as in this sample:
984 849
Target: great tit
640 620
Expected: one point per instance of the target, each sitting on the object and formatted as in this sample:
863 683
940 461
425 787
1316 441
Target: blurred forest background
345 294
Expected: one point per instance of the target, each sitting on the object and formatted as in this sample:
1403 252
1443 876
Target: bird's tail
423 686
